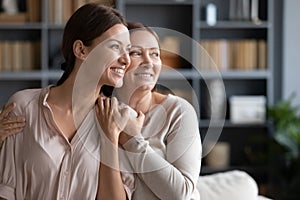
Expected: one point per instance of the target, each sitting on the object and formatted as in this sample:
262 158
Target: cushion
231 185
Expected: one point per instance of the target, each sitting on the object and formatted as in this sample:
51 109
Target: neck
63 95
139 100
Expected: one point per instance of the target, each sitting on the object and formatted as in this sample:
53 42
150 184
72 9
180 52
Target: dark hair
136 26
87 23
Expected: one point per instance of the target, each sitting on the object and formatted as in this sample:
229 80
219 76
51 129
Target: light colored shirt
166 157
40 163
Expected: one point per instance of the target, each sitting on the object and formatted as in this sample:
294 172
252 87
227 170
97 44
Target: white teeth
145 75
118 70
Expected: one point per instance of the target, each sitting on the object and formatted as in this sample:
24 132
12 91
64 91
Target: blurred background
243 80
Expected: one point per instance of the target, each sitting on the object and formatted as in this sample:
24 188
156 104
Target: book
262 54
33 10
254 11
17 56
7 56
14 18
239 10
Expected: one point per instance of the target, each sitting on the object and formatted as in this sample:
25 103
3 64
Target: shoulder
176 106
179 102
23 98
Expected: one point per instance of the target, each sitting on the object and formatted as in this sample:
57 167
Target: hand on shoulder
10 125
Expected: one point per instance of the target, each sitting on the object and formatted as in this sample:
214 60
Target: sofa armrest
262 198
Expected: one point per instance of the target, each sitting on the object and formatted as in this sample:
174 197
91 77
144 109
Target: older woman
166 155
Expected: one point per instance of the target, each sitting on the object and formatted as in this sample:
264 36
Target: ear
80 51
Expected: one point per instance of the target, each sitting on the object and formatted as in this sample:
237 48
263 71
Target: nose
147 61
124 58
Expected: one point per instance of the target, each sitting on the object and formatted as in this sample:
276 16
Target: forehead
143 39
116 32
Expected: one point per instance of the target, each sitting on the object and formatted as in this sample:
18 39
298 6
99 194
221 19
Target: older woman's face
145 65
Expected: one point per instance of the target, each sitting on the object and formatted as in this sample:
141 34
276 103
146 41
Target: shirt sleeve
127 178
128 181
7 169
7 153
175 175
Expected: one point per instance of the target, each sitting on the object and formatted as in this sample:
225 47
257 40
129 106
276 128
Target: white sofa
232 185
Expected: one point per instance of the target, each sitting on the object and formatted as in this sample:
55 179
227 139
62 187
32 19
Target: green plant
286 120
287 126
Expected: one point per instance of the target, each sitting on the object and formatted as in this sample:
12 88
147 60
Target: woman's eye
155 54
134 53
115 46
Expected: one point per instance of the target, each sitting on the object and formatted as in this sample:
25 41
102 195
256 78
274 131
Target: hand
133 127
111 119
10 125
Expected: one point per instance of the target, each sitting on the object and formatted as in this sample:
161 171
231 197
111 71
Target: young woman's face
145 66
112 50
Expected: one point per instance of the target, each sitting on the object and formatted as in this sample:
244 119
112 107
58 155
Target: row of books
221 54
19 55
60 10
244 54
244 10
21 11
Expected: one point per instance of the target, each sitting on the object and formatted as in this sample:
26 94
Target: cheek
157 61
115 55
133 65
157 68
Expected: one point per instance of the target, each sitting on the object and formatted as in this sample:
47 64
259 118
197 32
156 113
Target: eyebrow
140 47
118 41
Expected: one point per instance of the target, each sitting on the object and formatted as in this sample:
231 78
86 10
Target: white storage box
247 109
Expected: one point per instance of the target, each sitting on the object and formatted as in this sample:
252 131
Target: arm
7 169
174 176
110 182
10 125
8 151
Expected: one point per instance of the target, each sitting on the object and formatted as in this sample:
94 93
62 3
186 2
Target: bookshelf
39 24
30 43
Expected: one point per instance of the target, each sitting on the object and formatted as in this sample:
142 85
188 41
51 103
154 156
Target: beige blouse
166 157
40 163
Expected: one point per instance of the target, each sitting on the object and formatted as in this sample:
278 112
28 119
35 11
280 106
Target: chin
146 87
118 84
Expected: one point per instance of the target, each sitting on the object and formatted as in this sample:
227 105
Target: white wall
291 49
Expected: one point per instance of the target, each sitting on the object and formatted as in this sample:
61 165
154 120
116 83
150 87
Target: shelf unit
153 13
184 16
191 24
12 81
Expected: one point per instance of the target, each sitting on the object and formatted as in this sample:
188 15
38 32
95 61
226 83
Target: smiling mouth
118 70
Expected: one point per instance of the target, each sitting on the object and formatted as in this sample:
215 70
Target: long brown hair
87 23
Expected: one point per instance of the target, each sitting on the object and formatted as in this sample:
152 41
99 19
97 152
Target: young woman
166 155
57 154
